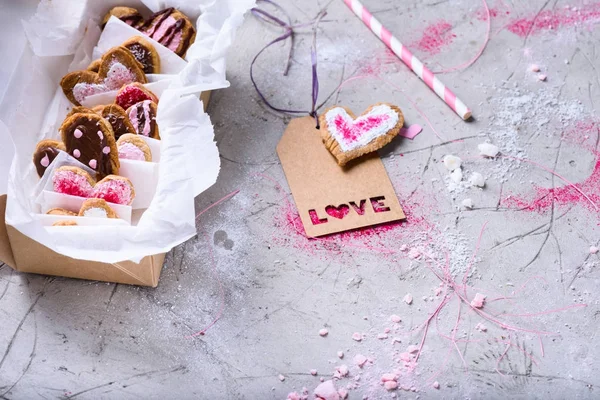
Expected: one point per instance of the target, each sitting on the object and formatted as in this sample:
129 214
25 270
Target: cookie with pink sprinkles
133 147
118 67
114 189
73 181
348 137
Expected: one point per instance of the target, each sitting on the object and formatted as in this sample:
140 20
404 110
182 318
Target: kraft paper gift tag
331 198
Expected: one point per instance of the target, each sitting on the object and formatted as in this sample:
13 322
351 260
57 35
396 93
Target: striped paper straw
409 59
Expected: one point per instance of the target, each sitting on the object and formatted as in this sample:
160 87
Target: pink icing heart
117 76
411 131
45 161
338 212
353 133
116 191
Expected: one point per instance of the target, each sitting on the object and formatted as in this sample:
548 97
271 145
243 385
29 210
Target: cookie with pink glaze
172 29
348 137
60 211
45 152
143 118
117 67
133 93
133 147
73 181
97 208
115 189
89 138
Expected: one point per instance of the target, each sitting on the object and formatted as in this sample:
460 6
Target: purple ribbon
289 33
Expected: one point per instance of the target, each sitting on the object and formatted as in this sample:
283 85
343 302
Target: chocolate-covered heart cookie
143 118
170 28
89 138
144 53
45 152
117 67
117 118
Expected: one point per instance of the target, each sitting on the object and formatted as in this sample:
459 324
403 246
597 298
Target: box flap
6 253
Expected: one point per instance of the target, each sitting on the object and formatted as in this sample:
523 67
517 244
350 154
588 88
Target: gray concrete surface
62 338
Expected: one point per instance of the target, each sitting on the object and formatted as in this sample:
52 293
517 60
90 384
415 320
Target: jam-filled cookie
133 147
170 28
73 181
61 211
45 152
348 137
89 138
117 118
96 208
133 93
143 118
144 52
115 189
117 67
129 15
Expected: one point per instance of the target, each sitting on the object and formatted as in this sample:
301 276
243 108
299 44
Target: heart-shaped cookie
143 118
117 67
172 29
347 136
89 138
75 181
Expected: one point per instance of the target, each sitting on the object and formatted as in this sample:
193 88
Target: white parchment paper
63 35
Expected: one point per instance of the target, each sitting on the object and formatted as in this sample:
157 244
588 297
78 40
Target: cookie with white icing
348 137
97 208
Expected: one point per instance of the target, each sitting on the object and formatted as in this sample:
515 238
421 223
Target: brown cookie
118 67
144 52
133 147
65 223
348 137
143 118
94 66
96 208
117 118
79 110
45 152
60 211
170 28
89 138
129 15
98 109
73 181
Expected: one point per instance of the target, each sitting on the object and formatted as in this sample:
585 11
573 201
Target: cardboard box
26 255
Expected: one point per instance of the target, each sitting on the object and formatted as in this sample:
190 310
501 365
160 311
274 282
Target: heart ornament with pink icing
348 137
118 67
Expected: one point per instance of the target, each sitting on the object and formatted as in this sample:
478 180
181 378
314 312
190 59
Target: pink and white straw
409 59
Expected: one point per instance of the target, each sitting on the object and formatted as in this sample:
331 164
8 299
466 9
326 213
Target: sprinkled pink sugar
71 183
593 250
360 360
435 36
323 332
408 299
327 391
554 19
390 385
114 191
478 300
436 385
352 131
281 378
395 318
357 336
313 372
340 354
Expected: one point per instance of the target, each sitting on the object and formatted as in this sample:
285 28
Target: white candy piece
488 149
456 175
467 203
477 179
452 162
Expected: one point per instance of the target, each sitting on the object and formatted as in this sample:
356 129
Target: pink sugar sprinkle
481 327
71 183
593 250
478 300
313 372
352 131
542 77
555 19
388 377
114 191
360 360
435 36
343 393
390 385
343 370
412 349
281 378
534 68
357 336
340 354
436 385
323 332
327 391
408 299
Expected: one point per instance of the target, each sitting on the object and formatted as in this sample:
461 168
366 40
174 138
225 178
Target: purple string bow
289 33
